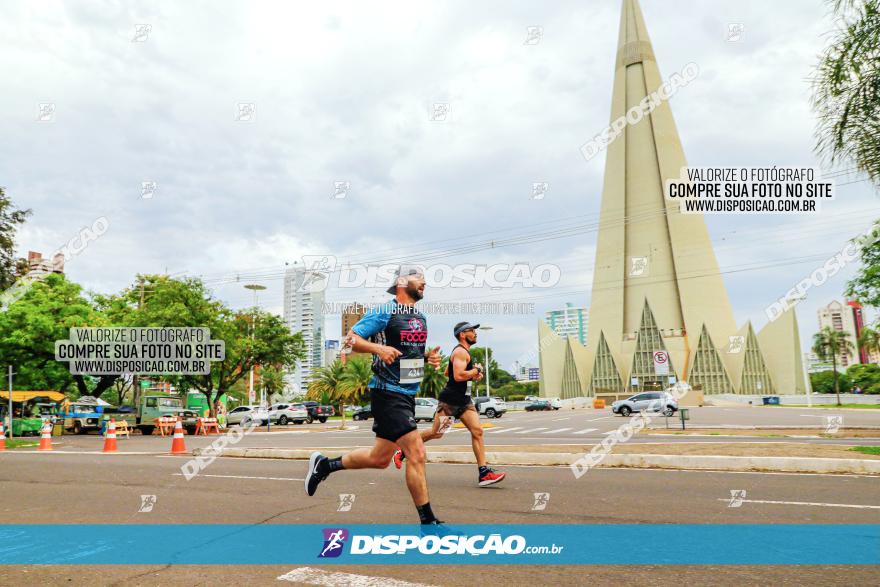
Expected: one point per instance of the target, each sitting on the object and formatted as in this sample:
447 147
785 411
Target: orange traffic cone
2 437
178 446
110 437
46 437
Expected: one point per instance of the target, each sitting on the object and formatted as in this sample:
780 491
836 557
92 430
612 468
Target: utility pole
10 400
134 378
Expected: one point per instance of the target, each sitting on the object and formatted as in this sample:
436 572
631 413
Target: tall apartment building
37 265
844 317
303 312
569 321
350 315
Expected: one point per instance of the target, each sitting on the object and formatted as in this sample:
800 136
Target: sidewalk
787 457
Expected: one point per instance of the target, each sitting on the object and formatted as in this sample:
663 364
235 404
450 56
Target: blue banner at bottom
639 544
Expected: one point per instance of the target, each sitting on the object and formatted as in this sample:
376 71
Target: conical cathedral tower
656 281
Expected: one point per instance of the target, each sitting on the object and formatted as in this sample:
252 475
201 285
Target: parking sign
661 363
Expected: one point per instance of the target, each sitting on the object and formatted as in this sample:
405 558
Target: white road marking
505 430
560 419
557 431
532 430
585 431
602 418
311 576
244 477
810 503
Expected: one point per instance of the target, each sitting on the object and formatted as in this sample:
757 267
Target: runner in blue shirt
395 334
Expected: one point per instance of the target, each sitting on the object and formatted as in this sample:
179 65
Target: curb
636 461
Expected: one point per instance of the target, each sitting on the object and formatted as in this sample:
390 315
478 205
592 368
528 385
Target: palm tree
354 385
828 344
272 378
869 340
325 383
846 97
435 379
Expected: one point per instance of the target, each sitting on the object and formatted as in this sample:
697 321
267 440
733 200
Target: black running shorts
393 413
456 411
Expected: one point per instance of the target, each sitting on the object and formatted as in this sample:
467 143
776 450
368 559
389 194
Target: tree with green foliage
32 324
10 219
869 340
829 344
354 386
272 380
866 377
252 337
829 382
325 383
435 379
846 86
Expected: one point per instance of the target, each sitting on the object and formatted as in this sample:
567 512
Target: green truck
150 408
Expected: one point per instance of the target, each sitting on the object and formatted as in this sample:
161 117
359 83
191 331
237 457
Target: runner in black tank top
455 402
457 393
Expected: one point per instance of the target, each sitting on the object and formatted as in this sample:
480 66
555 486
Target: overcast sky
345 93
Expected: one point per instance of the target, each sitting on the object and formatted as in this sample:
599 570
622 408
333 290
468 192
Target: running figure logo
833 424
334 541
346 501
541 501
147 503
736 498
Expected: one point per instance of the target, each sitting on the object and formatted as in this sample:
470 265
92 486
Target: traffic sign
661 363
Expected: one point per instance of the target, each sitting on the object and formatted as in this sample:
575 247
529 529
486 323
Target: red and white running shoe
491 477
398 458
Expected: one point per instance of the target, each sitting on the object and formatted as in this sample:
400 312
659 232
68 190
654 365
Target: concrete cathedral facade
656 281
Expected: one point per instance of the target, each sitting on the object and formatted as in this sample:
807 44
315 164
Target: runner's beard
413 292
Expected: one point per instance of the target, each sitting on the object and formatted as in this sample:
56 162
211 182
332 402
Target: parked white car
239 414
285 413
491 407
425 409
644 402
555 403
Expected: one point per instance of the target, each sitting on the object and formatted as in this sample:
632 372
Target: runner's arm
374 321
459 362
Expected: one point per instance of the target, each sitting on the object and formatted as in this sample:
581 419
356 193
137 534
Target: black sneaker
313 478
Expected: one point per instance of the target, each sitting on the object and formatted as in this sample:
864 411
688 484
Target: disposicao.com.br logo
322 270
439 544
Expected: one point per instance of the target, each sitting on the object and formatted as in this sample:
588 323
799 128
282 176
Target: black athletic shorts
455 410
394 413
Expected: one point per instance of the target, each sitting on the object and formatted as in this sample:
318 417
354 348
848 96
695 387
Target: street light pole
488 360
254 287
10 401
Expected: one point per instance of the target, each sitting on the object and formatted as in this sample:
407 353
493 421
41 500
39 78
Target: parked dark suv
318 412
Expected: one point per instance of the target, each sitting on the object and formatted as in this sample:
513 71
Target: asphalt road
93 488
586 427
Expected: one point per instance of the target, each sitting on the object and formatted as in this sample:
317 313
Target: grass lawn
21 443
833 406
868 450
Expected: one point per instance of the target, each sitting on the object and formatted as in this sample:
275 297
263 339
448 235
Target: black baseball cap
404 271
462 327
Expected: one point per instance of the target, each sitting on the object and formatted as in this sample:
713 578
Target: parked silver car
654 401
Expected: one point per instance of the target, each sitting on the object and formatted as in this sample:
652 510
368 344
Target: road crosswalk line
532 430
556 431
505 430
585 431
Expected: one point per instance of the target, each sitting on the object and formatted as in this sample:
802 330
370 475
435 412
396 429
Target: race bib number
412 370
